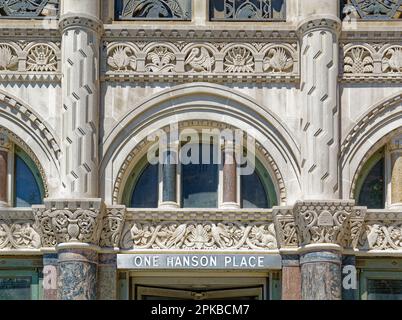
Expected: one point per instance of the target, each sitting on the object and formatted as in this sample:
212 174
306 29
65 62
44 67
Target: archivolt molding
18 141
369 133
193 101
11 106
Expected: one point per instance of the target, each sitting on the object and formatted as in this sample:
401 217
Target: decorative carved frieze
285 227
113 223
201 61
64 221
211 232
366 61
18 230
29 61
373 9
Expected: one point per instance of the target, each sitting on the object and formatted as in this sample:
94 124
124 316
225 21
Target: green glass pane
15 288
372 191
384 289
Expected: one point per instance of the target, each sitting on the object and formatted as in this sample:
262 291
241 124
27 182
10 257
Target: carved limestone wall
204 230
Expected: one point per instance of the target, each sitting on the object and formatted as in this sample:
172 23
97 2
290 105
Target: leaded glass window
28 182
243 10
145 194
153 9
371 185
28 8
200 181
373 9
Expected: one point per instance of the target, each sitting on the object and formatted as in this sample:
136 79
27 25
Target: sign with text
199 261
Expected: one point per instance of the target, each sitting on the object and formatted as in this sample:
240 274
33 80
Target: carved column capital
112 226
395 144
319 22
336 224
68 21
70 221
5 142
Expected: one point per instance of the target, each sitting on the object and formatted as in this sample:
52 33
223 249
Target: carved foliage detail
122 58
199 235
239 60
160 59
358 60
18 235
8 58
41 58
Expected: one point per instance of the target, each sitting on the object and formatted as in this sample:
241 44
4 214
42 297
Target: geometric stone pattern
79 165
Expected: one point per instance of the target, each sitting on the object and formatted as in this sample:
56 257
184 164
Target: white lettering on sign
198 261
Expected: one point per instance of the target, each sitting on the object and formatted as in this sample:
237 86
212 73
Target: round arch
29 131
210 104
370 133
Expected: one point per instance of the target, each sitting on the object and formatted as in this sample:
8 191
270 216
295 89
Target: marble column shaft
229 176
107 277
321 276
395 148
77 274
169 173
291 278
3 177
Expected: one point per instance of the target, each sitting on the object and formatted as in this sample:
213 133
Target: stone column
229 177
395 150
291 277
81 31
169 178
318 32
5 146
321 275
74 227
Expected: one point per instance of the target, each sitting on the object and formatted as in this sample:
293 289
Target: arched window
200 181
257 189
144 186
28 183
370 186
198 184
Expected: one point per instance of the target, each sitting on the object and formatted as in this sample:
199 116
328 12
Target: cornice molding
69 21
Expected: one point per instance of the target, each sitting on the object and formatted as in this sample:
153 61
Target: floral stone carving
41 58
358 60
18 235
122 58
8 58
239 60
75 221
160 59
199 235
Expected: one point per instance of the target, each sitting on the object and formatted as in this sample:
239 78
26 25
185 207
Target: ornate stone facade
317 88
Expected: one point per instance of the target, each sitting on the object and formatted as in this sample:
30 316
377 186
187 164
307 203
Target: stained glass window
372 192
145 194
28 184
